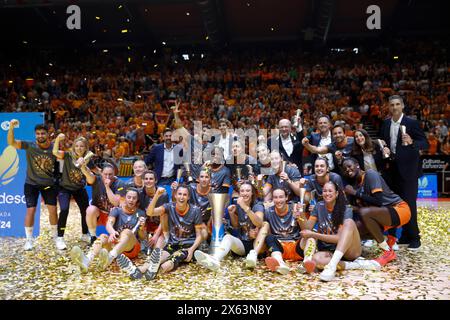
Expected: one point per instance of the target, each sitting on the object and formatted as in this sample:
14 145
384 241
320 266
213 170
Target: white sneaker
327 274
283 269
28 245
364 264
251 259
395 247
60 244
368 243
104 258
206 260
86 238
79 259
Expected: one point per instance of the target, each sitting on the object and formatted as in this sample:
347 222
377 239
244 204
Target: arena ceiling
213 23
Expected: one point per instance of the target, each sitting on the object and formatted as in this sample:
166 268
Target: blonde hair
86 144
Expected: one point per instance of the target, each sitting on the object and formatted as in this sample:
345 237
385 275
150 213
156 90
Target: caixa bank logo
9 165
423 183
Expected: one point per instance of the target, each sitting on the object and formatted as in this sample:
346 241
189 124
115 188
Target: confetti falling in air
46 273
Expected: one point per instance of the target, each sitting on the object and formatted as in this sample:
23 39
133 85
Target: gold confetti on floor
46 273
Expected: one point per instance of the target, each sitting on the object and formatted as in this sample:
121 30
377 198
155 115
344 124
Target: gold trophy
218 202
87 157
179 174
385 155
403 128
302 196
188 171
302 203
239 173
283 167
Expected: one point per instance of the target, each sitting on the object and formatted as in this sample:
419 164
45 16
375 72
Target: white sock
277 255
113 253
337 256
29 233
54 230
224 248
90 255
93 232
350 265
383 245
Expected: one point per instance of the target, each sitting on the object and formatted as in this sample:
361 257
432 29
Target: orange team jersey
120 152
125 146
404 214
433 146
289 252
133 253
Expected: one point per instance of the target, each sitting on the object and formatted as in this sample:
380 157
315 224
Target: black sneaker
204 247
125 264
403 242
93 238
414 245
155 260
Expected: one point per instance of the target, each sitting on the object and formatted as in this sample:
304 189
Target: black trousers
407 190
81 198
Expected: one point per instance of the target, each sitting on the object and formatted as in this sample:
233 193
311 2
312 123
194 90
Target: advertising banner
428 187
13 168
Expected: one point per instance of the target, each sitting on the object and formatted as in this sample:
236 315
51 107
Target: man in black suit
289 144
406 167
166 158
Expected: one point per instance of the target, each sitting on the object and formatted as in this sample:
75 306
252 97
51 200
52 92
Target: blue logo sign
428 186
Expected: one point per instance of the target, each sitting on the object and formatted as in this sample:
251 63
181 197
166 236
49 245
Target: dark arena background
112 72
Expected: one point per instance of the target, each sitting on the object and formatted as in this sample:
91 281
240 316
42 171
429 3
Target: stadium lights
124 30
129 59
128 20
97 18
105 50
163 43
395 57
25 42
93 41
156 65
272 28
10 81
207 38
119 99
120 7
129 48
248 4
47 74
50 64
185 56
188 14
355 50
202 55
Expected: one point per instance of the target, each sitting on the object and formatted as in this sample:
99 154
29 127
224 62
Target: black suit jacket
407 158
156 158
297 150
